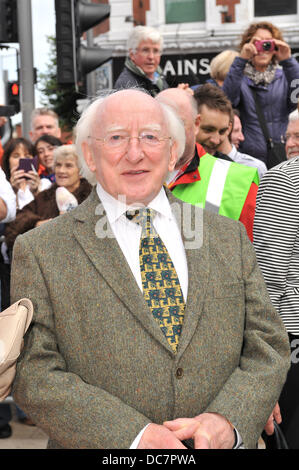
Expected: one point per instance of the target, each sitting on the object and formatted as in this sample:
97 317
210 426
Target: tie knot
143 217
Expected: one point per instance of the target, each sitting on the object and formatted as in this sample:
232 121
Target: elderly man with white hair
141 67
276 241
146 332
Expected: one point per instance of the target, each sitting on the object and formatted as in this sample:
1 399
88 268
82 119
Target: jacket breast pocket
224 307
222 323
225 290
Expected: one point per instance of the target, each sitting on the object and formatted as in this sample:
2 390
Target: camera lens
266 45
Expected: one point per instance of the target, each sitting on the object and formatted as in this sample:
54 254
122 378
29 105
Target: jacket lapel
105 254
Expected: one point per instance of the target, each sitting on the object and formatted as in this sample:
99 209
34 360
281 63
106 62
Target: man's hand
208 430
186 87
275 415
159 437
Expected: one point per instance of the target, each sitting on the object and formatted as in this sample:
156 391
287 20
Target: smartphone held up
28 164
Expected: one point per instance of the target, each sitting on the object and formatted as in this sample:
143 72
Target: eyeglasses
145 51
147 140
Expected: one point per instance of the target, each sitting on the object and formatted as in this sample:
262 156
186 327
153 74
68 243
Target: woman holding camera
264 67
24 179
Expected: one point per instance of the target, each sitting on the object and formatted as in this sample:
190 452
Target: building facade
194 32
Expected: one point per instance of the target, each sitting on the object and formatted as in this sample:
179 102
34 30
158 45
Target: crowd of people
121 300
30 196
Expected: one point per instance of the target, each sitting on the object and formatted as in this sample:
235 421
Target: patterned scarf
138 71
261 77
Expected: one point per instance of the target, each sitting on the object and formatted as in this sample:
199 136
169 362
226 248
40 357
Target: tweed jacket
96 367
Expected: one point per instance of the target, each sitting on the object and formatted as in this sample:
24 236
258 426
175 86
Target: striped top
276 239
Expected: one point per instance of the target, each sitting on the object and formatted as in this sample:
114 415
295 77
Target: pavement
23 436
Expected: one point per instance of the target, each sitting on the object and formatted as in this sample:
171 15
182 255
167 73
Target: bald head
186 108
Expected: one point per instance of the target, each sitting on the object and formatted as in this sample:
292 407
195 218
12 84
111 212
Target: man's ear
173 156
131 55
197 123
88 156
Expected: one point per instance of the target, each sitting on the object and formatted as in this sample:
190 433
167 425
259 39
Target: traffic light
73 18
8 21
13 95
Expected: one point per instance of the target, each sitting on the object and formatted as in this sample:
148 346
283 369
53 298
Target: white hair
175 127
64 152
143 33
82 131
294 116
84 125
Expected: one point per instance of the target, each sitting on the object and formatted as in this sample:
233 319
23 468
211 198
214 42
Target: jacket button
179 373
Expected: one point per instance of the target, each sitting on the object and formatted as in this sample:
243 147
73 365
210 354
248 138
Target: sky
43 25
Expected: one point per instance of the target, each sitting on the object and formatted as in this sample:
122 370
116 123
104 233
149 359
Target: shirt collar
233 152
115 208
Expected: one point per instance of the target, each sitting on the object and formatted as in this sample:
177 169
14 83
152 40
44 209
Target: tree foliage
62 99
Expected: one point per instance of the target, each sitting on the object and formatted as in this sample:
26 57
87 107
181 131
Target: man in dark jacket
141 68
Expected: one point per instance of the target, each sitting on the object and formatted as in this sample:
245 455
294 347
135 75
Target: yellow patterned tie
161 286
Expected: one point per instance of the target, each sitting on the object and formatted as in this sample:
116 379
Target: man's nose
241 136
134 150
215 138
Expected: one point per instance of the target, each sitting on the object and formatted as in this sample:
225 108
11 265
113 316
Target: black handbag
276 150
276 440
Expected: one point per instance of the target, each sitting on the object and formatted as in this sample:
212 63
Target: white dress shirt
8 196
127 234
